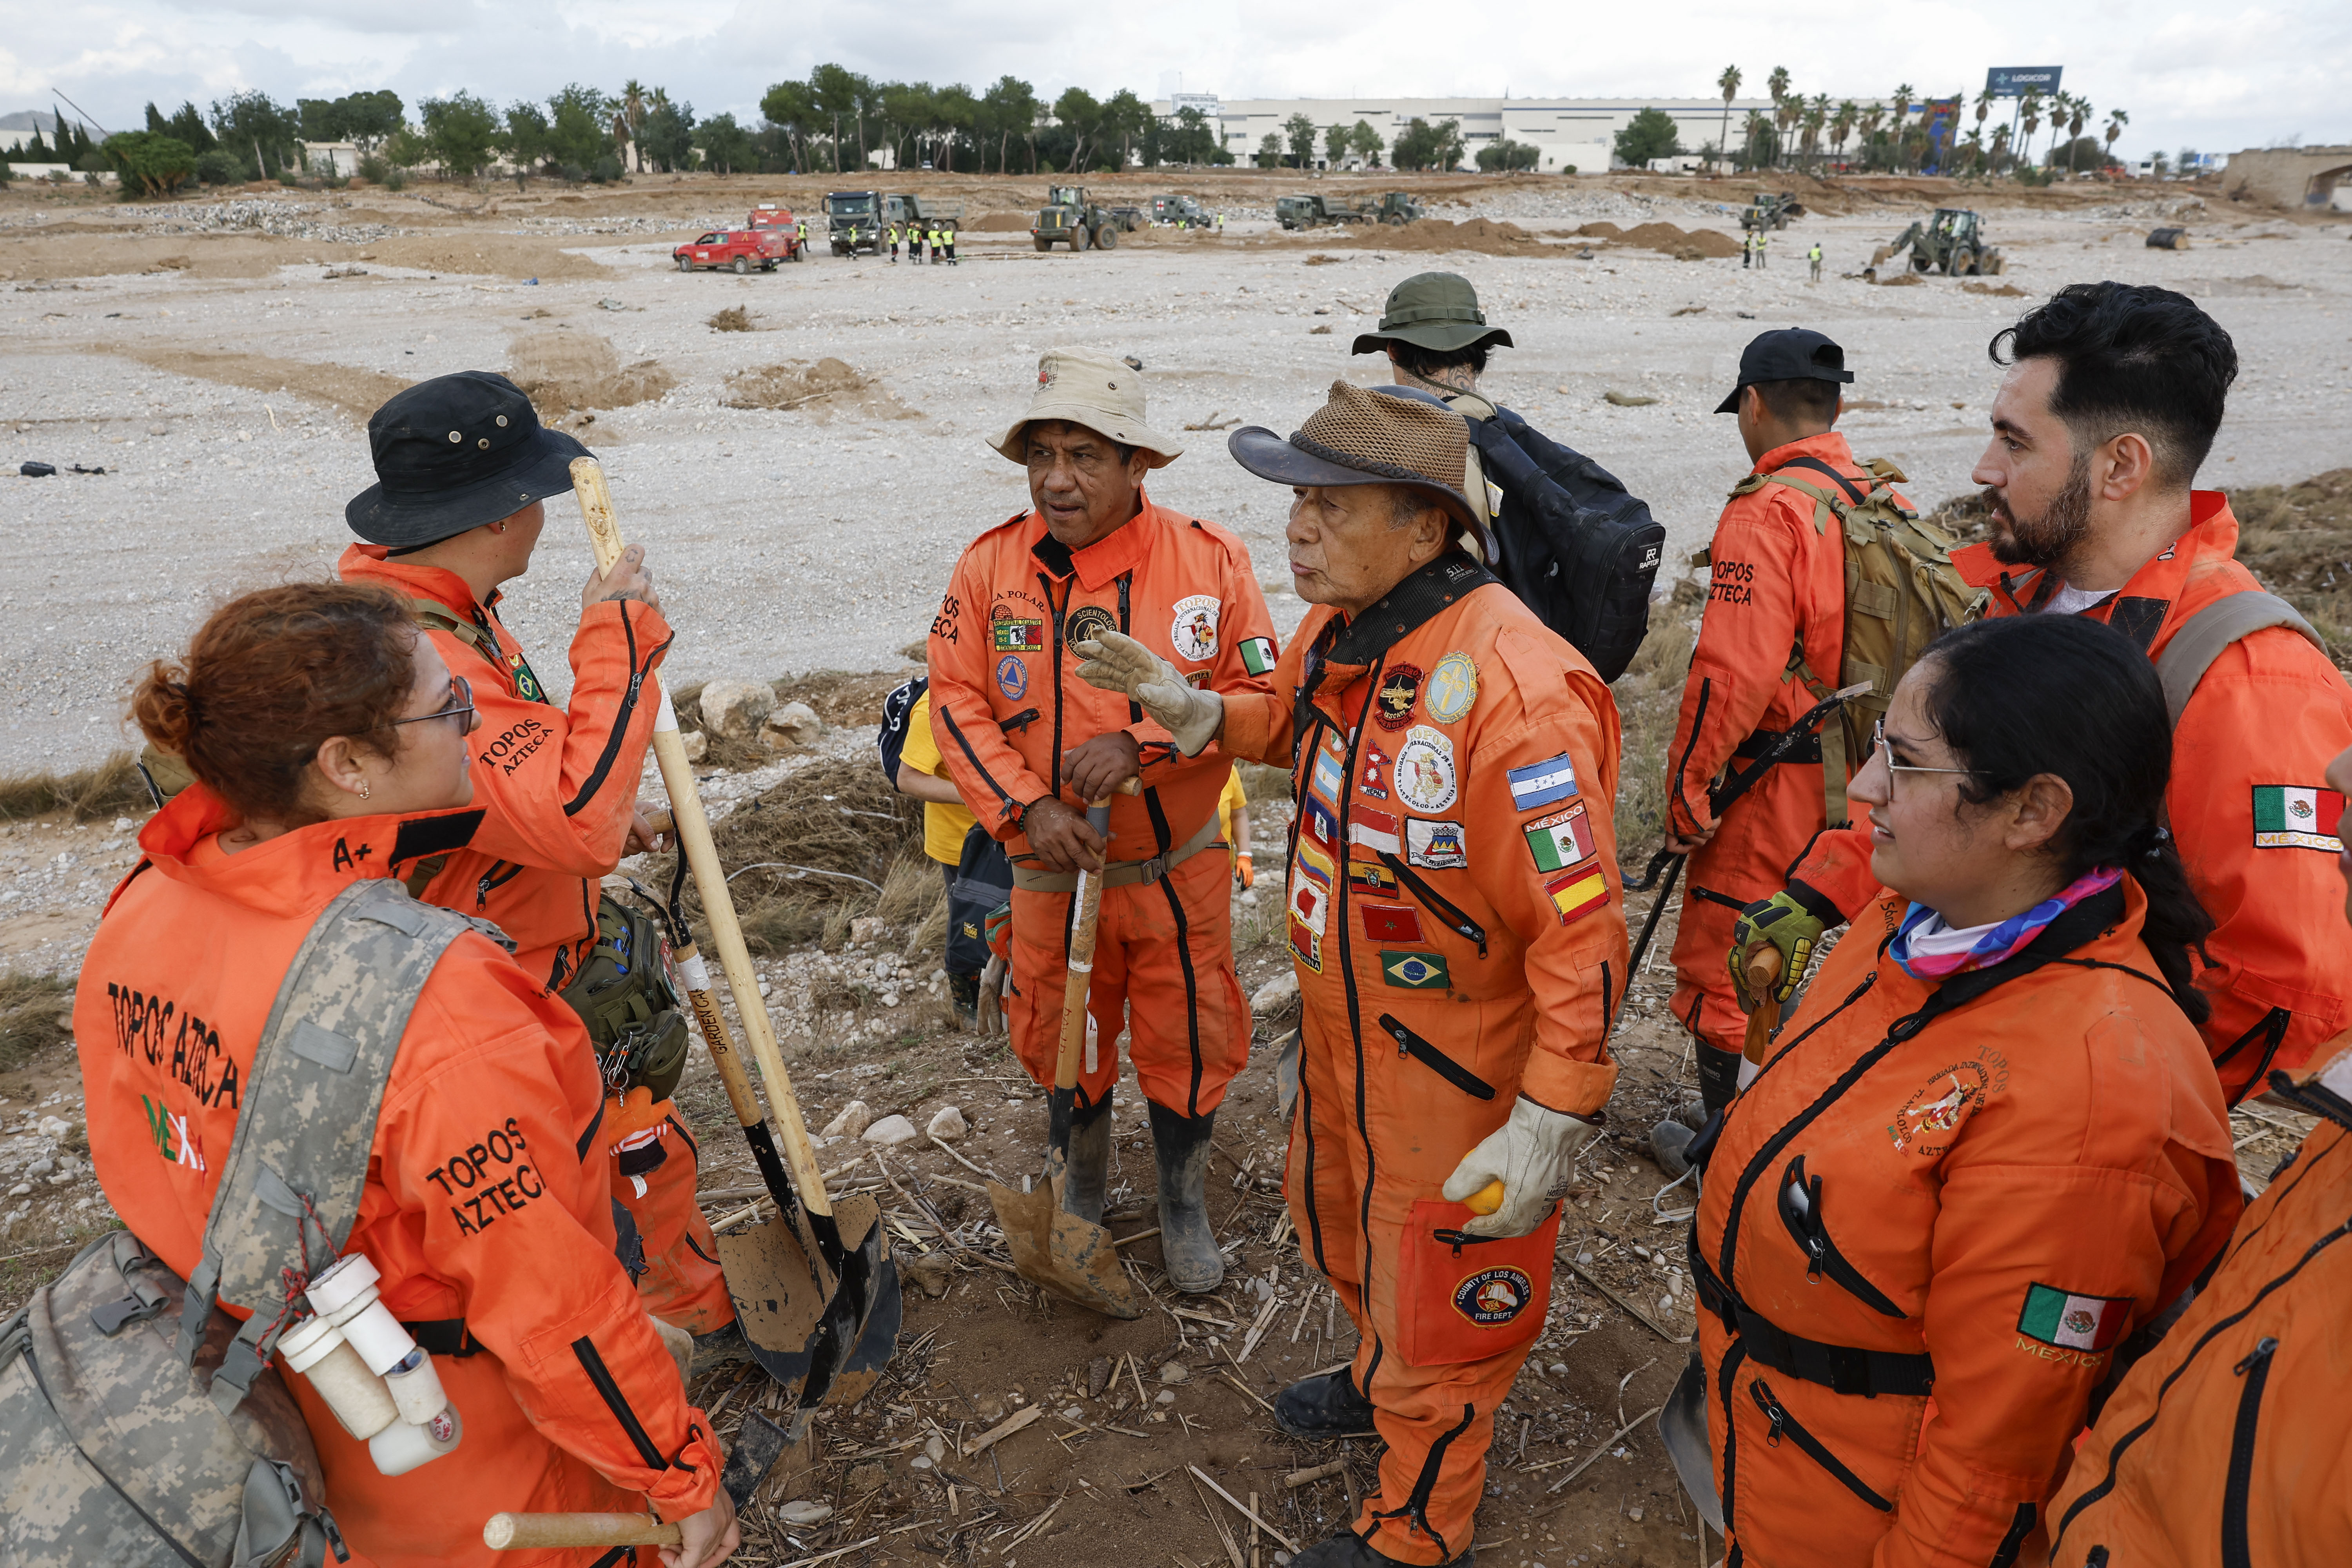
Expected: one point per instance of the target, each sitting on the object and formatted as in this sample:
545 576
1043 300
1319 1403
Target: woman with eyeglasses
328 745
1989 1147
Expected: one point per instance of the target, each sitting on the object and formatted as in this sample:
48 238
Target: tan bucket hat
1382 435
1103 394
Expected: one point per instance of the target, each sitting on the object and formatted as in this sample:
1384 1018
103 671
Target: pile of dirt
828 386
1000 223
1485 236
1693 245
734 319
1998 291
2298 540
564 371
358 391
1900 281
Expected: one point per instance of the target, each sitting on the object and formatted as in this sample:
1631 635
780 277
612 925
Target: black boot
1349 1551
1325 1407
963 990
1084 1140
1181 1145
1719 1076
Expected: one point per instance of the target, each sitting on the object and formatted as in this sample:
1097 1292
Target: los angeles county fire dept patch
1493 1296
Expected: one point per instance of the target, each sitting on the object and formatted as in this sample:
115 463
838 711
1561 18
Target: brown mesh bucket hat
1381 435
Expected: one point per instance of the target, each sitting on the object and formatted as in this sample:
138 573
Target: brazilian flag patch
1416 970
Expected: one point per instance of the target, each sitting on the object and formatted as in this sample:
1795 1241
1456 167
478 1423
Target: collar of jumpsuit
2211 545
438 583
1104 561
300 869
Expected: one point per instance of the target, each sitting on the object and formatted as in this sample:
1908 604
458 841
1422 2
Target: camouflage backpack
1901 590
141 1423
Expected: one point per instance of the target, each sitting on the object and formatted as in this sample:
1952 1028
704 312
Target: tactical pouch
627 992
1462 1297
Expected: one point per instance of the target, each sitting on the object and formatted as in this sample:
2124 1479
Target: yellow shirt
1228 802
944 826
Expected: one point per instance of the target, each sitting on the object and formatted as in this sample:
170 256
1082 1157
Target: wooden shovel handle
693 829
713 1025
1080 971
1763 974
543 1531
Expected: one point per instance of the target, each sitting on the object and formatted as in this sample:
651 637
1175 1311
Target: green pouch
627 992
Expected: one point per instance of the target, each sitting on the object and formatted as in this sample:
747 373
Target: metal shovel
1074 1257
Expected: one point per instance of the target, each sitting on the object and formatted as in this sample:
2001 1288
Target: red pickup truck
740 248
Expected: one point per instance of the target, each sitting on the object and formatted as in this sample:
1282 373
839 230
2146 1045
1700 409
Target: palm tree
2116 120
2000 147
629 117
1974 142
2078 114
1728 85
1870 121
1817 114
1902 112
1841 127
2028 115
1755 132
1777 84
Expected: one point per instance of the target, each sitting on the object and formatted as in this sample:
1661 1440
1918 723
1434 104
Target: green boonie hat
1436 310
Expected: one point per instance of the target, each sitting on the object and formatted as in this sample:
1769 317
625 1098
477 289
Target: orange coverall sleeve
981 762
560 784
2271 710
477 1155
1245 616
1260 726
2091 1206
1744 637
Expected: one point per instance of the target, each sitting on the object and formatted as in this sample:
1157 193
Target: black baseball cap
454 453
1792 353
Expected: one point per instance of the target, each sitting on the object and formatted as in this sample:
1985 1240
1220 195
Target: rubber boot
963 990
1083 1134
1323 1408
1719 1076
1349 1551
1180 1144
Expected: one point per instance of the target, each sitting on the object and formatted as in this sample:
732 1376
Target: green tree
726 146
1189 140
1649 134
462 130
1269 152
906 116
252 122
790 108
577 117
1366 144
1816 117
1009 109
667 140
956 113
628 114
365 119
1841 126
187 126
1124 118
1299 133
840 93
2078 114
525 140
1506 156
1901 107
151 162
1728 84
1420 145
1777 84
1337 141
316 117
1078 113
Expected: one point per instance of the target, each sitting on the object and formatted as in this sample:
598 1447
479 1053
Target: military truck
1767 211
855 220
1069 218
1951 242
1316 211
1393 207
931 211
1179 209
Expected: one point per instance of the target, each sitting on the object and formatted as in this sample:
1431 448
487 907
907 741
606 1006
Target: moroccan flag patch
1391 922
1560 840
1257 655
2058 1317
2297 816
1578 894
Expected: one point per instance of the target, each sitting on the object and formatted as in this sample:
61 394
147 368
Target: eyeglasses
1886 754
460 708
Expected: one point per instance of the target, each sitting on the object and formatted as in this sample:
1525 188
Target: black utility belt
1840 1369
1808 750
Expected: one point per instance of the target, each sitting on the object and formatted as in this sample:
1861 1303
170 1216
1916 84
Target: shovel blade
780 1294
1057 1251
1683 1424
862 1369
875 1310
757 1448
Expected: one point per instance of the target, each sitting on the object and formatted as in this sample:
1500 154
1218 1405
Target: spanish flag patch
1578 894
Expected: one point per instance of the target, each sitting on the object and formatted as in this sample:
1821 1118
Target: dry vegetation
110 788
2298 540
33 1010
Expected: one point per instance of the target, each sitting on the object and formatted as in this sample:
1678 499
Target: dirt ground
804 486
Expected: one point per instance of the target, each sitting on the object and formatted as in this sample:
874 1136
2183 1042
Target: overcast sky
2189 74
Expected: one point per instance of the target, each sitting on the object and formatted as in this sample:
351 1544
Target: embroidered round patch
1012 677
1424 770
1930 1119
1493 1296
1194 631
1086 623
1453 687
1400 688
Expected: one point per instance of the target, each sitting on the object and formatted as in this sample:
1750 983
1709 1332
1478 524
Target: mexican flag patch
2058 1317
1257 655
2297 816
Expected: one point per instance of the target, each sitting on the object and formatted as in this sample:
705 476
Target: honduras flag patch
1541 784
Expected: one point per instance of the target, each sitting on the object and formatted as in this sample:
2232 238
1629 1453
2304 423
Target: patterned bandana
1997 942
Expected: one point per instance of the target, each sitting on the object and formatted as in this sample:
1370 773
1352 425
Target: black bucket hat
454 453
1434 311
1790 354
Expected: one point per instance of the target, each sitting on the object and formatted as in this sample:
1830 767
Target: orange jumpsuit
1006 703
2215 1451
2269 714
482 1205
1777 586
560 787
1457 924
2019 1181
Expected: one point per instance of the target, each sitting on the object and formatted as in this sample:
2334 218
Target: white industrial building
1578 133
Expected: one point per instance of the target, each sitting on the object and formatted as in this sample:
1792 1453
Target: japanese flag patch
2062 1318
2297 816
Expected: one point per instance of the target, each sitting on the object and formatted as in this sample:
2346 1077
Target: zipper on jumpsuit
1787 1425
2257 1370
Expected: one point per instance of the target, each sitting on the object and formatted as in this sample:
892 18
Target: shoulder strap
2201 638
1843 483
290 1189
436 618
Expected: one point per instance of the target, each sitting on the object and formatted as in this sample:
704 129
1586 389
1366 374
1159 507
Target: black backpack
1575 545
890 740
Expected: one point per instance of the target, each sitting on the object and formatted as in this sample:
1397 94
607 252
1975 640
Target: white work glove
1114 661
1531 1155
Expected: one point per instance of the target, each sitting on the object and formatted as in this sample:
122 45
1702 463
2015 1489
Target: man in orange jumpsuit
2111 402
1457 919
1776 598
1028 746
463 467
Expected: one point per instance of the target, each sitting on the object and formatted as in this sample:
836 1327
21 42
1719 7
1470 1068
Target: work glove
1791 921
1242 872
1531 1155
1114 661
